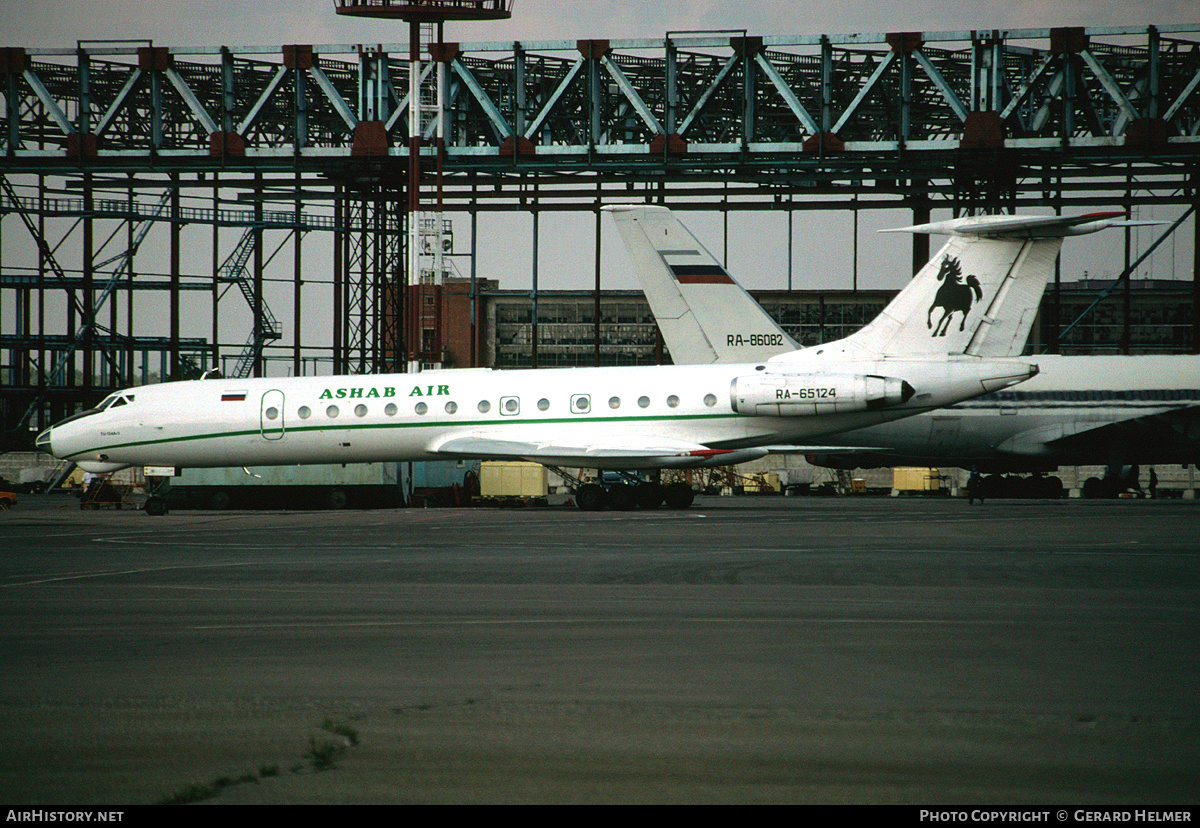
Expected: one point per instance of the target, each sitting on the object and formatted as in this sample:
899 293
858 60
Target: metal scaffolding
116 157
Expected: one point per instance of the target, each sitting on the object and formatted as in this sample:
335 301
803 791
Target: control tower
428 238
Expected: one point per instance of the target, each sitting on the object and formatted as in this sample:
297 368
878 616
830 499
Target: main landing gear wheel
679 496
622 497
591 497
650 495
156 506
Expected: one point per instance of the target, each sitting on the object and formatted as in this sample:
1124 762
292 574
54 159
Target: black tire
336 499
156 506
591 497
621 497
679 496
220 500
650 495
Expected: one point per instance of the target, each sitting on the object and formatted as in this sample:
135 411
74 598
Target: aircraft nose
43 441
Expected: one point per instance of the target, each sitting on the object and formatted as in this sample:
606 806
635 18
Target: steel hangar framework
161 207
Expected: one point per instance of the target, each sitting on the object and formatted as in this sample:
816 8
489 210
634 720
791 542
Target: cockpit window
113 400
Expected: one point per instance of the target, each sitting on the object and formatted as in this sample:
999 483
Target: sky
60 23
758 244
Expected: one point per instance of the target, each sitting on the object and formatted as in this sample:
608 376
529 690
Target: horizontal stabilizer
1022 227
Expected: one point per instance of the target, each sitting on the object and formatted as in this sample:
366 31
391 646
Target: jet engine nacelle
806 395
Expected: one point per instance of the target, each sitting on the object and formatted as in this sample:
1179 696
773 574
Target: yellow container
916 480
512 479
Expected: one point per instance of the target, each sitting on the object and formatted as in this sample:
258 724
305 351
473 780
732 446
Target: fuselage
1078 410
397 417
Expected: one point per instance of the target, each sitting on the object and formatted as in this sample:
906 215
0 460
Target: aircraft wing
1179 429
664 453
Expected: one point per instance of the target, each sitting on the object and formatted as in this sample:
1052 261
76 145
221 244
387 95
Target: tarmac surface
749 650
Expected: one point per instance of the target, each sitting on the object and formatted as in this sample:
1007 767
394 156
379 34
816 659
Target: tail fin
704 315
978 296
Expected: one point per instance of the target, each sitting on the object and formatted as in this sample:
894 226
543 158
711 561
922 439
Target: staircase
265 328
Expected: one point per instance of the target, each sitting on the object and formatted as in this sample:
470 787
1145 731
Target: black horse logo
952 296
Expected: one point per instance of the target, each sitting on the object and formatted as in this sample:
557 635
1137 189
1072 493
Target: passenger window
643 402
673 401
304 412
360 410
511 406
543 404
451 408
332 411
484 406
614 402
710 400
581 403
390 409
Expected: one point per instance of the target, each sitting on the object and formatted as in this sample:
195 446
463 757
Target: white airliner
606 418
1113 411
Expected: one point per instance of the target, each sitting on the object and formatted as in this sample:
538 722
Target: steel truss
556 105
315 138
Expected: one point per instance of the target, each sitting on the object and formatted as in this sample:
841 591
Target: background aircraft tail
704 315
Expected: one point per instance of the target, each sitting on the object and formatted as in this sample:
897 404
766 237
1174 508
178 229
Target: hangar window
360 410
421 408
332 411
305 412
390 409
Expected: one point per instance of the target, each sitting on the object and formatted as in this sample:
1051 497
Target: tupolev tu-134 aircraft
1113 411
654 417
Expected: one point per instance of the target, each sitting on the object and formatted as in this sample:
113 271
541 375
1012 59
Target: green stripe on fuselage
403 425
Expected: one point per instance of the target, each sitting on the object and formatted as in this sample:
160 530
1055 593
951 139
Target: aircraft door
271 415
944 434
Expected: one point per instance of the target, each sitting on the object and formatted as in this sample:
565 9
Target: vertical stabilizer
704 315
978 296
